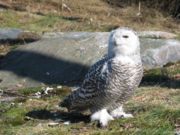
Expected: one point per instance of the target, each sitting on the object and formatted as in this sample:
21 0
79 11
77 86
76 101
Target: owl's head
123 41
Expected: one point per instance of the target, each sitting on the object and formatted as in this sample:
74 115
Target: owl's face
123 41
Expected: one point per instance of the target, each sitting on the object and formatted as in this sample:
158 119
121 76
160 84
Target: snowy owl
110 81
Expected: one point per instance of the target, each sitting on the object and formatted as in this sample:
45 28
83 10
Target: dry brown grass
157 96
98 15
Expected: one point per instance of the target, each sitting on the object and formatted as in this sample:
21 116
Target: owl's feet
102 116
119 113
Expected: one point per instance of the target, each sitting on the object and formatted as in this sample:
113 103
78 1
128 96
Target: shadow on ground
43 68
160 80
58 116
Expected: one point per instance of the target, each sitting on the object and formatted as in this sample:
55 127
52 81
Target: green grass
10 19
156 111
166 76
153 115
46 23
35 23
14 116
28 91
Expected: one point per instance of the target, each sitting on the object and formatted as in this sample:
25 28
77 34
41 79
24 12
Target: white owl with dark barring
111 81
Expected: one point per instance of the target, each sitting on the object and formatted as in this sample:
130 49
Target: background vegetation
91 15
171 7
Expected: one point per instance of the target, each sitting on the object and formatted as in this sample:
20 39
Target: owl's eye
125 36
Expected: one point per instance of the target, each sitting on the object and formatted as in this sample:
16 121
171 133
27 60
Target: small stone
53 124
28 118
59 87
47 90
19 85
67 123
38 94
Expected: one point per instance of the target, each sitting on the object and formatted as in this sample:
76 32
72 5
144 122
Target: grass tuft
14 116
28 91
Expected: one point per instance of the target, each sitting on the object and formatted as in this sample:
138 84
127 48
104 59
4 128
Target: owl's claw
119 113
102 116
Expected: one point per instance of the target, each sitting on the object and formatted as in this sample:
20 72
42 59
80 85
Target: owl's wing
92 87
96 78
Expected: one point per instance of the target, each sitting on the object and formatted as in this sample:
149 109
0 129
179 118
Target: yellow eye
125 36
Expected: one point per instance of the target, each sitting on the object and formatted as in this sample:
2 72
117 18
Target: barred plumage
110 81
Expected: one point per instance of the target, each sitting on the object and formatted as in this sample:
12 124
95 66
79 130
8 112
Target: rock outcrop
64 58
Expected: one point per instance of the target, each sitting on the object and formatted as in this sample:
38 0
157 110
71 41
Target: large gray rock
8 33
14 36
158 52
157 34
60 58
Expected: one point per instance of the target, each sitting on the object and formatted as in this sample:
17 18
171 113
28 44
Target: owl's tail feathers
73 102
70 101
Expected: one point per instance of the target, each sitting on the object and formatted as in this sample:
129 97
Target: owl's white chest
123 60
